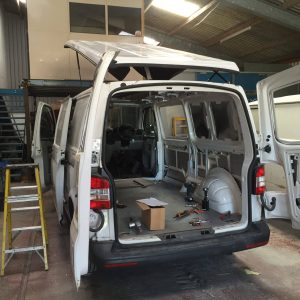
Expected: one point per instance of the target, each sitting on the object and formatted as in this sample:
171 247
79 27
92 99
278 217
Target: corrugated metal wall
16 49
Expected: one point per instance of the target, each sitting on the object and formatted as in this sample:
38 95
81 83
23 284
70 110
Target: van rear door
280 143
79 230
58 155
42 140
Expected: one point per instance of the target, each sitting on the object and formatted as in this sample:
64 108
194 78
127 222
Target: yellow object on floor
9 201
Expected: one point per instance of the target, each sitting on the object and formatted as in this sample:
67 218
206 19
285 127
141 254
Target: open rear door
58 155
43 135
79 231
280 137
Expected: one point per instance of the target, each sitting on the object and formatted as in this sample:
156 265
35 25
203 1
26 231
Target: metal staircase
12 131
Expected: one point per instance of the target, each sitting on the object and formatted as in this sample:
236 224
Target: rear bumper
105 253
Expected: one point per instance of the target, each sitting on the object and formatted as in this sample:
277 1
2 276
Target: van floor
128 191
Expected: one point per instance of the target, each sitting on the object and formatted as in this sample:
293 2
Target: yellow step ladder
9 201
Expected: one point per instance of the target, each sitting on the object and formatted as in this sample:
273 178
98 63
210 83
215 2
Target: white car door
280 139
58 155
79 231
37 146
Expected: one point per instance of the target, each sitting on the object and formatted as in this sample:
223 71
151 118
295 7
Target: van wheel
70 209
92 267
62 221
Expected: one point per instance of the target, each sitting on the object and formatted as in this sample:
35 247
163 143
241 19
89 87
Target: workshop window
286 113
87 18
126 19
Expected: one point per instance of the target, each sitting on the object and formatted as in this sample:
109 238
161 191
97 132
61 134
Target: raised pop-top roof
143 55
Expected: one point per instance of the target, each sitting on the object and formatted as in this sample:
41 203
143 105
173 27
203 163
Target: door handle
267 148
64 162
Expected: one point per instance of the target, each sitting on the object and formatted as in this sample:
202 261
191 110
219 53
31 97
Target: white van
184 143
287 112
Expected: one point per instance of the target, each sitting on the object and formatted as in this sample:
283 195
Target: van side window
76 126
174 121
149 121
225 118
199 116
47 129
123 115
286 113
60 125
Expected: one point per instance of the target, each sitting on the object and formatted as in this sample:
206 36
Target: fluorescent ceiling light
179 7
231 36
21 1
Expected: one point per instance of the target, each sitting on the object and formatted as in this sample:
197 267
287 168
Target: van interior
183 148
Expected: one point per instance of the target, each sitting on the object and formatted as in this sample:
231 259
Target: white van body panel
284 153
36 148
143 54
79 241
285 106
58 155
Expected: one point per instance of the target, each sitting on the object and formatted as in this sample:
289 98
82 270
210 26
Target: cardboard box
152 217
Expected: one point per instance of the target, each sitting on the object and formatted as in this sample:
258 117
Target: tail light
260 180
100 193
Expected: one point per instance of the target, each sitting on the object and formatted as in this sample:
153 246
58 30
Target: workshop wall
3 81
49 29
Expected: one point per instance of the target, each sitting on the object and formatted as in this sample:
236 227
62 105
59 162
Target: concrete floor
276 271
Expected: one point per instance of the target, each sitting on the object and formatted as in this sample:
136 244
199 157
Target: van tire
92 267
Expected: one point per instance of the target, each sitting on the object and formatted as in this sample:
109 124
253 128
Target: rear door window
47 128
60 124
76 126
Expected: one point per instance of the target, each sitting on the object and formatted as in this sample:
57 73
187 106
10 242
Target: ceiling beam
233 31
204 12
268 11
289 3
179 43
148 6
287 59
270 45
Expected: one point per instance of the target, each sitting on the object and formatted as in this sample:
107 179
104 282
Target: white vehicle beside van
180 142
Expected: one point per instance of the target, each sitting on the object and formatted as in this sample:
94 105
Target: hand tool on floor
190 188
121 205
198 221
193 204
135 224
131 223
205 201
198 211
182 214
